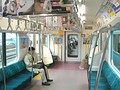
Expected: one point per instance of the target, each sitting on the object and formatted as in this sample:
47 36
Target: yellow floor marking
38 77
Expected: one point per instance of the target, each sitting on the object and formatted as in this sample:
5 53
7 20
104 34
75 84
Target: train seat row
109 80
16 75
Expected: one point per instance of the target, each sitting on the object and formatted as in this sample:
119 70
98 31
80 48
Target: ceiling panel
92 8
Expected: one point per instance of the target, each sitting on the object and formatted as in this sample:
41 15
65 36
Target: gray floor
63 80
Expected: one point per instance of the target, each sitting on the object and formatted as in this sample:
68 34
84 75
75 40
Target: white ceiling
92 8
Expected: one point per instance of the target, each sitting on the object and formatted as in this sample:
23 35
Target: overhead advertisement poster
116 5
55 21
58 40
110 10
40 7
111 7
31 7
17 7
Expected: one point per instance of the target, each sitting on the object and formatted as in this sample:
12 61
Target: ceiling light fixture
82 10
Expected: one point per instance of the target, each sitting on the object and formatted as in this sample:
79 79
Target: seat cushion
17 80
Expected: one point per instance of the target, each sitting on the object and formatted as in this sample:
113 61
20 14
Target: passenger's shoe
46 83
49 80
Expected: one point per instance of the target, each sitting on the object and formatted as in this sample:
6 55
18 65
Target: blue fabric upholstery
112 78
103 85
16 76
1 75
109 80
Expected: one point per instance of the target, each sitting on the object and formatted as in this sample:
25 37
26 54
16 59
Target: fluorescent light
82 9
80 0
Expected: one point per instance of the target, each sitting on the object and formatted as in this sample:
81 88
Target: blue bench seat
16 75
109 80
103 85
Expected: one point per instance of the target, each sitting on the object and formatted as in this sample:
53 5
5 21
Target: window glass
47 40
116 50
37 43
31 39
0 48
11 48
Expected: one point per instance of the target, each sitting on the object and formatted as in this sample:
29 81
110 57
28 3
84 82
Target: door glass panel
72 45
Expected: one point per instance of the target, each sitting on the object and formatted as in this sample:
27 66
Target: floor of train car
66 76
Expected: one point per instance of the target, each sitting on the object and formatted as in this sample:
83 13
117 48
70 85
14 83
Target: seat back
12 69
112 78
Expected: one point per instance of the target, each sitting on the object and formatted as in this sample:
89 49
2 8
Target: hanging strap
18 25
9 24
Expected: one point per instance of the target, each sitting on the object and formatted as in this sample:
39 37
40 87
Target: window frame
4 52
111 48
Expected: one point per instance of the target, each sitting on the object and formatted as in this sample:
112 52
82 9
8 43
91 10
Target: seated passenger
31 62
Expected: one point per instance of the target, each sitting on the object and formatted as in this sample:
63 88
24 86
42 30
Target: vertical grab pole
39 46
42 55
3 57
93 53
30 45
101 63
92 58
89 48
3 70
40 42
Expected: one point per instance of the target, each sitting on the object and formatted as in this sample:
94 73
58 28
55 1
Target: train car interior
76 42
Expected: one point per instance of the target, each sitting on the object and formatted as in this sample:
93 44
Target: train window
116 50
0 49
37 43
11 49
32 39
47 40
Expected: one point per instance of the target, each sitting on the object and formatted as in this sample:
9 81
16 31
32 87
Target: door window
72 45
